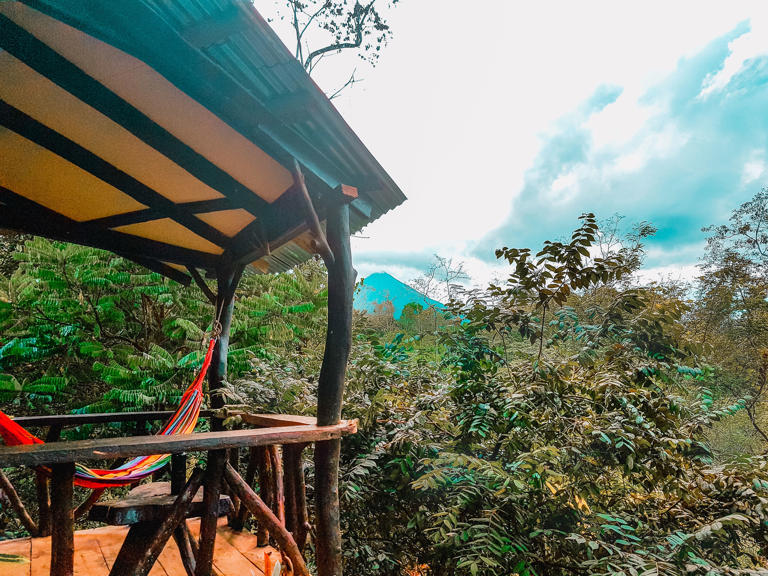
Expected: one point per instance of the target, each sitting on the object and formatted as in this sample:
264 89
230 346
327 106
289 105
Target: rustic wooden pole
266 491
18 505
43 504
227 280
88 503
278 482
250 474
212 490
265 516
62 519
296 515
289 467
184 542
178 472
234 460
146 540
330 390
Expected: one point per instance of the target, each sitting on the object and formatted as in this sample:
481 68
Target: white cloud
457 104
747 46
754 167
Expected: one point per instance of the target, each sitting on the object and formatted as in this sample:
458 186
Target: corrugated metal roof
226 72
247 48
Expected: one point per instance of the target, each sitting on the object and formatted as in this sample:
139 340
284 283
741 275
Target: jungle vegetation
566 419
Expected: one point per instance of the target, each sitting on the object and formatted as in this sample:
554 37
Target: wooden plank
247 545
228 560
111 540
236 554
16 557
68 420
275 420
41 556
89 560
108 448
170 561
149 503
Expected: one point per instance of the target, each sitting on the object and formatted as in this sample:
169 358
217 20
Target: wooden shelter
183 135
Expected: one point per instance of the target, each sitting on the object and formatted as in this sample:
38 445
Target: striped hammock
183 421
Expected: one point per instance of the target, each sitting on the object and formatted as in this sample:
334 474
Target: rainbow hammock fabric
183 421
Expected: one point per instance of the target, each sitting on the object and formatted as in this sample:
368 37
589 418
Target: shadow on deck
235 554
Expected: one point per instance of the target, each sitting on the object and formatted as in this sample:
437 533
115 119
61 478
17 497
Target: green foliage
557 423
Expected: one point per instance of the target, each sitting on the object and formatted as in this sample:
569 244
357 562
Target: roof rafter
50 64
24 215
41 135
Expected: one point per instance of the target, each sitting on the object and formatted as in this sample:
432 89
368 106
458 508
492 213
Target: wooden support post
234 461
296 513
227 280
43 504
63 520
250 474
278 482
88 503
217 459
18 505
146 540
266 517
184 542
178 472
265 489
330 390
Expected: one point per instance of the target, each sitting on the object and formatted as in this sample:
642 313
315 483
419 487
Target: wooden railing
275 445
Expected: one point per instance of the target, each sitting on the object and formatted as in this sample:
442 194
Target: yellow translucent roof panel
160 100
46 178
228 222
170 232
36 96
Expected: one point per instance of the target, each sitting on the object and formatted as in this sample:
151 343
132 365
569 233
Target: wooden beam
69 420
26 216
109 448
274 420
138 216
207 292
63 519
62 72
264 515
89 162
319 242
160 268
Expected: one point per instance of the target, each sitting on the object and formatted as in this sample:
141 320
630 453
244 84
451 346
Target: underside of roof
167 131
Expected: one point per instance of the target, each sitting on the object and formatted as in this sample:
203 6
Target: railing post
330 390
63 520
227 280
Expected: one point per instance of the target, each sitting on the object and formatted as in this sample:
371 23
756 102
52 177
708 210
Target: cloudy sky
502 121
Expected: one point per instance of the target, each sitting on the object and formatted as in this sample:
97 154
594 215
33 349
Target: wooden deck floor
236 554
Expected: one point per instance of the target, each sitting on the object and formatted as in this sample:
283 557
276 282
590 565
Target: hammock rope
183 421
